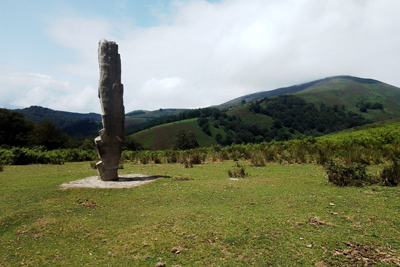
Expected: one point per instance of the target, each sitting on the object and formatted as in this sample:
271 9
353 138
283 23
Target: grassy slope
131 120
260 220
249 117
161 137
344 91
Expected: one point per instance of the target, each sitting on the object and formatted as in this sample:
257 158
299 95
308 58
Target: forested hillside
76 125
59 118
279 118
15 130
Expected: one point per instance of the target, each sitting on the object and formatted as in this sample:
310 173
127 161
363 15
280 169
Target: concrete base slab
124 181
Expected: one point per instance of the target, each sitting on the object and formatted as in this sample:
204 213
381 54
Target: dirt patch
367 255
87 203
316 221
124 181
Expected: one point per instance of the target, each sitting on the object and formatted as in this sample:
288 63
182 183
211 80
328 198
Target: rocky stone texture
111 99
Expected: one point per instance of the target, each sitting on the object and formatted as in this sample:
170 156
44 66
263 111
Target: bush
1 167
93 165
391 175
195 158
257 159
185 140
157 160
354 174
188 163
144 159
129 143
239 171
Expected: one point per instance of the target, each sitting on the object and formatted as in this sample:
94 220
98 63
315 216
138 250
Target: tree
185 140
219 138
48 134
129 143
14 128
277 123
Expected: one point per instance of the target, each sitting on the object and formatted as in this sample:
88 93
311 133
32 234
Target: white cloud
21 88
207 53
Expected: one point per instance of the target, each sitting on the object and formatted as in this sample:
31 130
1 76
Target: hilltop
352 92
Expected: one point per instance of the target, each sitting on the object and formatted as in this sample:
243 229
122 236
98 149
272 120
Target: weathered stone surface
111 99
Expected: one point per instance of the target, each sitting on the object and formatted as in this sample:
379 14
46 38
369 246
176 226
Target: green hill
312 109
352 92
161 137
356 93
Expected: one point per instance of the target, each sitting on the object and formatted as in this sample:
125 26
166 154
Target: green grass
161 137
262 219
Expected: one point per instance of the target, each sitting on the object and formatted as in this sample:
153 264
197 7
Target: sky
189 53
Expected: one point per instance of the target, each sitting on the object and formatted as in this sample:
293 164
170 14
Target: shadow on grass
140 178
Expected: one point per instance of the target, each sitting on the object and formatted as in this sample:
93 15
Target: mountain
310 109
353 92
59 118
375 100
280 91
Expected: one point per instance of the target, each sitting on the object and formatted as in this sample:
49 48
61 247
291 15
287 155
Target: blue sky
191 53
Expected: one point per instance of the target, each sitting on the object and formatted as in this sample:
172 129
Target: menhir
111 99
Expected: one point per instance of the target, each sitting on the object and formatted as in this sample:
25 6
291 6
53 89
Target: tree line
15 130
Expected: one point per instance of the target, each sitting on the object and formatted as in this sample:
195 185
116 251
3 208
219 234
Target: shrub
144 159
195 159
93 165
1 167
239 171
185 140
188 163
257 159
172 158
391 174
354 174
56 161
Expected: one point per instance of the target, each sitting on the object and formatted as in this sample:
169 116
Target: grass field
279 215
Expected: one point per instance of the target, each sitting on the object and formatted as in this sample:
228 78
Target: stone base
124 181
109 150
107 173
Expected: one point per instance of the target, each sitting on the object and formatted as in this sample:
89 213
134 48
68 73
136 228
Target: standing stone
111 99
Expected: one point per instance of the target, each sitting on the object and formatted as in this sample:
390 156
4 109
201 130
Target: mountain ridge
374 100
291 89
